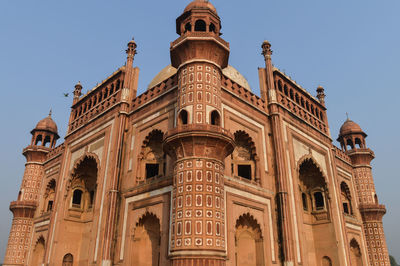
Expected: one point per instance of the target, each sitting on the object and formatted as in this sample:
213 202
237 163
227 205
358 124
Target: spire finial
131 51
347 115
266 49
50 112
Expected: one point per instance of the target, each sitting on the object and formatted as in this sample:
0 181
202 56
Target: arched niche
249 248
355 253
145 241
38 252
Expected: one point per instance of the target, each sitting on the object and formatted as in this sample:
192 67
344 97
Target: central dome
200 4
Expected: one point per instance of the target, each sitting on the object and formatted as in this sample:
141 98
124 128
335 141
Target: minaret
352 140
44 137
198 143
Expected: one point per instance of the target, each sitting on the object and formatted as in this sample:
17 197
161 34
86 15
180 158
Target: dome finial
50 112
347 116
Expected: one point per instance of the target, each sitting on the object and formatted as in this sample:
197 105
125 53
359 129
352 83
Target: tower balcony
198 140
372 212
23 208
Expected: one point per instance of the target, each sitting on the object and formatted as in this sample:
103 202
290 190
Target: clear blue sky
349 47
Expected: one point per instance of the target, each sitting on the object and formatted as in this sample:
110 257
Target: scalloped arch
241 134
78 161
248 219
310 158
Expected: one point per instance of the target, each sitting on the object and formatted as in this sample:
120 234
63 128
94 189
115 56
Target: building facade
197 170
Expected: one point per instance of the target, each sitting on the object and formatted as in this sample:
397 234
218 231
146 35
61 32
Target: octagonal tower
198 143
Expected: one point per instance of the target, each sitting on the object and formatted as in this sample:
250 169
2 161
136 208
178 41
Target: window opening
215 120
304 199
319 201
77 198
50 205
200 25
151 170
183 117
244 170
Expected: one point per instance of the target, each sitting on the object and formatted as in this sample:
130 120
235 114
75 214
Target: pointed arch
145 241
248 241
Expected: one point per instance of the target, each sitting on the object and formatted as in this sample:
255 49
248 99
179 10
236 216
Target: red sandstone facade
197 170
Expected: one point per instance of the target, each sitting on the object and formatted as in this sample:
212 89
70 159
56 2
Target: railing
199 34
342 155
94 104
56 151
155 91
243 93
301 104
198 127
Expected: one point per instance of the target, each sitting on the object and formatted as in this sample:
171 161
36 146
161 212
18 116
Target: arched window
77 198
145 242
153 158
286 90
68 260
346 198
212 28
248 241
188 27
244 157
183 117
280 86
215 119
200 25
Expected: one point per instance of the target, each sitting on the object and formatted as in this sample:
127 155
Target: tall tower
352 141
44 137
198 143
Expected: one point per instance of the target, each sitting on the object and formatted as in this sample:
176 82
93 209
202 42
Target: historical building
197 170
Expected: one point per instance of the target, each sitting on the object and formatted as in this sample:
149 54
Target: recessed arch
249 249
38 252
244 157
152 159
145 241
355 253
183 117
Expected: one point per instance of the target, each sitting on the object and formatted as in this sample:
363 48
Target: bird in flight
66 94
